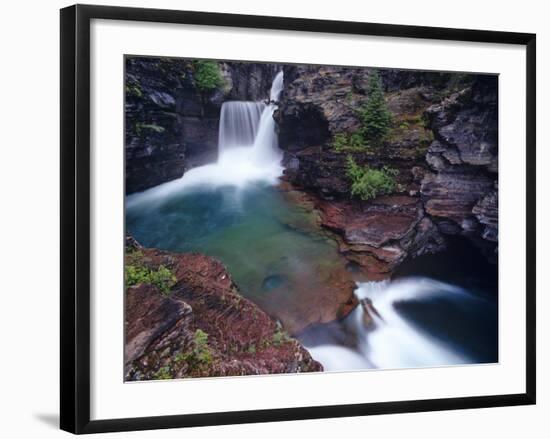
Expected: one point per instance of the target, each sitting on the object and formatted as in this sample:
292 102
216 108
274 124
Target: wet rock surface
379 236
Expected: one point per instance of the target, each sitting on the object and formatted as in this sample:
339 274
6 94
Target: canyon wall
443 145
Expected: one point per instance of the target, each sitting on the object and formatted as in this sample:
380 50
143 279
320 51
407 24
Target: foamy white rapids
248 152
393 342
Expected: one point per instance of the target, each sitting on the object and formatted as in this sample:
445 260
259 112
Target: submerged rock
368 312
274 281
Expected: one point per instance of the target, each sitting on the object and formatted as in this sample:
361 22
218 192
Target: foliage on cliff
207 75
344 142
367 183
376 121
137 273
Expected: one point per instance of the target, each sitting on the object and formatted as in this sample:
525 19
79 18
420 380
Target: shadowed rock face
248 81
460 192
161 331
453 195
486 211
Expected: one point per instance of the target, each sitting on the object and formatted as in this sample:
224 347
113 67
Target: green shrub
354 142
207 75
163 373
280 337
134 89
140 127
369 183
376 119
162 278
200 354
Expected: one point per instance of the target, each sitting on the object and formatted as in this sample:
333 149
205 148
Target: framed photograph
268 218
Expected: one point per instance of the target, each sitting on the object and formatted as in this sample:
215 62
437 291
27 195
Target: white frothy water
392 342
239 122
248 152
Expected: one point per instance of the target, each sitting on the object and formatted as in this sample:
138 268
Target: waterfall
239 121
391 341
250 125
266 145
276 87
248 151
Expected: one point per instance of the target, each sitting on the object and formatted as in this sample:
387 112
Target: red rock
242 339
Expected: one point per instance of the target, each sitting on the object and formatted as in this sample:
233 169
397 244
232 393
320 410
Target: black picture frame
75 217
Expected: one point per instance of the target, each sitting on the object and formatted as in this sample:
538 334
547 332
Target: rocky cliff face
461 190
171 124
202 327
248 81
443 144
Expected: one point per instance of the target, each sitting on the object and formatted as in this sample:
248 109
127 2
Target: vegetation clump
354 142
136 273
140 127
280 337
200 355
376 121
207 75
134 89
367 183
163 373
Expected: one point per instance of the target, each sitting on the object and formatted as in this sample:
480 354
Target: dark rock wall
248 81
171 126
461 189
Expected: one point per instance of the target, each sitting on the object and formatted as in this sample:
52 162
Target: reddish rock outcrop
203 328
380 235
377 235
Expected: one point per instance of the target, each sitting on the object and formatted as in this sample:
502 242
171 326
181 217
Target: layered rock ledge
201 327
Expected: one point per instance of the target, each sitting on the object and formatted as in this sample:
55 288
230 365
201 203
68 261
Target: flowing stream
394 338
232 210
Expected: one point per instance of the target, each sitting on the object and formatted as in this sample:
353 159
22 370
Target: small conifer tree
375 117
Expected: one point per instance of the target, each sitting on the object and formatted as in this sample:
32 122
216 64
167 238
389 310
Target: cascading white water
276 87
392 342
239 122
266 145
247 151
